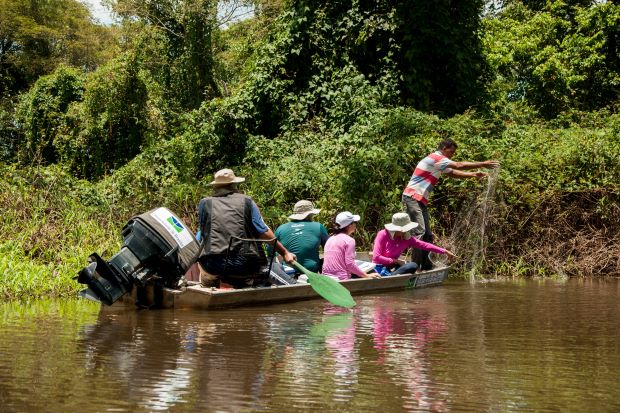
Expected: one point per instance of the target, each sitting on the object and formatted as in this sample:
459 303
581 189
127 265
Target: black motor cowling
156 246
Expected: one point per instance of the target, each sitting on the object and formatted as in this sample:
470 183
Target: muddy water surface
497 347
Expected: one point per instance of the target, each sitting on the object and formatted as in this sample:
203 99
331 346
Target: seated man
302 236
229 213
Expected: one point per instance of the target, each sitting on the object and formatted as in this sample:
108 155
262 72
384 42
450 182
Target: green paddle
328 288
333 324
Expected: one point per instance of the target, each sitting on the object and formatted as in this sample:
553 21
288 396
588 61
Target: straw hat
226 177
401 222
302 209
346 218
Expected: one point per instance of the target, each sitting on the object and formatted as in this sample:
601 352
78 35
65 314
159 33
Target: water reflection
495 347
168 358
402 340
340 338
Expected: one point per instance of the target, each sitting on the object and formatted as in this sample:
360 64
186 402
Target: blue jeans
279 277
408 268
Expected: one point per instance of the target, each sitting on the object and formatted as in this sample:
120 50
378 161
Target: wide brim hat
226 177
401 223
302 209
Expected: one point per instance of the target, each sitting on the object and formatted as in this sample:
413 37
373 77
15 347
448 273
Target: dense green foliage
42 112
553 63
331 101
36 36
173 40
108 127
49 224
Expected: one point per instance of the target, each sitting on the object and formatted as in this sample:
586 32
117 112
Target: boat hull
207 298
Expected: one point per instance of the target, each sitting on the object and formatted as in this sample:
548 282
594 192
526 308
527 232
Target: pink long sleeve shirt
387 250
339 257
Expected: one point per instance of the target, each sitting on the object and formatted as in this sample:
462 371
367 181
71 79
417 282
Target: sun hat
226 177
302 209
346 218
401 222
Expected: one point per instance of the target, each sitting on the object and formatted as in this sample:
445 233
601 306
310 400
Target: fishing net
469 236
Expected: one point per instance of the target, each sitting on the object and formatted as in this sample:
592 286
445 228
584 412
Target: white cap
346 218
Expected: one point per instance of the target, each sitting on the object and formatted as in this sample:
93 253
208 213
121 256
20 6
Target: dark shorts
239 271
242 271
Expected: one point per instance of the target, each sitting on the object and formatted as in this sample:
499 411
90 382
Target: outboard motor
156 246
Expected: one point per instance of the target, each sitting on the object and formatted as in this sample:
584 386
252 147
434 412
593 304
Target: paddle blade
328 288
332 325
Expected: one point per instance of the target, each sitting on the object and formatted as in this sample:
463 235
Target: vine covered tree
174 41
37 36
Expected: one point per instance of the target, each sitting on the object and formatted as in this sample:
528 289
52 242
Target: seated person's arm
289 257
266 233
377 251
427 246
352 266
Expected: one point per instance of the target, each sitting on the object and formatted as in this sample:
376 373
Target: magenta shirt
387 250
339 257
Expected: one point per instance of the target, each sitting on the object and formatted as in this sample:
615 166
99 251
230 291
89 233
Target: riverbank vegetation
331 101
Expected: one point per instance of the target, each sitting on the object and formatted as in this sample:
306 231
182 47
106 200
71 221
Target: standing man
228 214
302 236
424 178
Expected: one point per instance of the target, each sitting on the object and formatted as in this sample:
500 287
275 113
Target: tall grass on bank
50 223
556 211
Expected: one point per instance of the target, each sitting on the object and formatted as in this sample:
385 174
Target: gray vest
222 217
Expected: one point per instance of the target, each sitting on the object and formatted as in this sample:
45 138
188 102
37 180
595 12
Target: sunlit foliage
332 101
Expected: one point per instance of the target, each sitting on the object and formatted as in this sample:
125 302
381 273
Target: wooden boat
207 298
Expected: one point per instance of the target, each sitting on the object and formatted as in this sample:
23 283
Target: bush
41 114
108 127
50 223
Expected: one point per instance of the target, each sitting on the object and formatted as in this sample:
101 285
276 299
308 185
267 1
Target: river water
544 346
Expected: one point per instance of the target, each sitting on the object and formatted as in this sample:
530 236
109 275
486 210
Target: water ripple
503 346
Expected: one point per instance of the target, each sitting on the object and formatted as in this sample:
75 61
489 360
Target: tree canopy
36 36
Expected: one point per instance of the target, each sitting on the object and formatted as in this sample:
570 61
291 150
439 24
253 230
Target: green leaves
38 36
108 127
41 114
554 63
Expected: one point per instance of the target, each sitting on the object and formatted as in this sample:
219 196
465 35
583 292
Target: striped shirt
426 175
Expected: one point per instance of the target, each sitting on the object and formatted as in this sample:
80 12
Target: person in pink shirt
393 240
339 250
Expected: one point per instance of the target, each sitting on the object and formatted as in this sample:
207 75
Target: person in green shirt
302 236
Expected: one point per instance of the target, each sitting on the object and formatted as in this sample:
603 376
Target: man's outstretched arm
491 164
460 174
